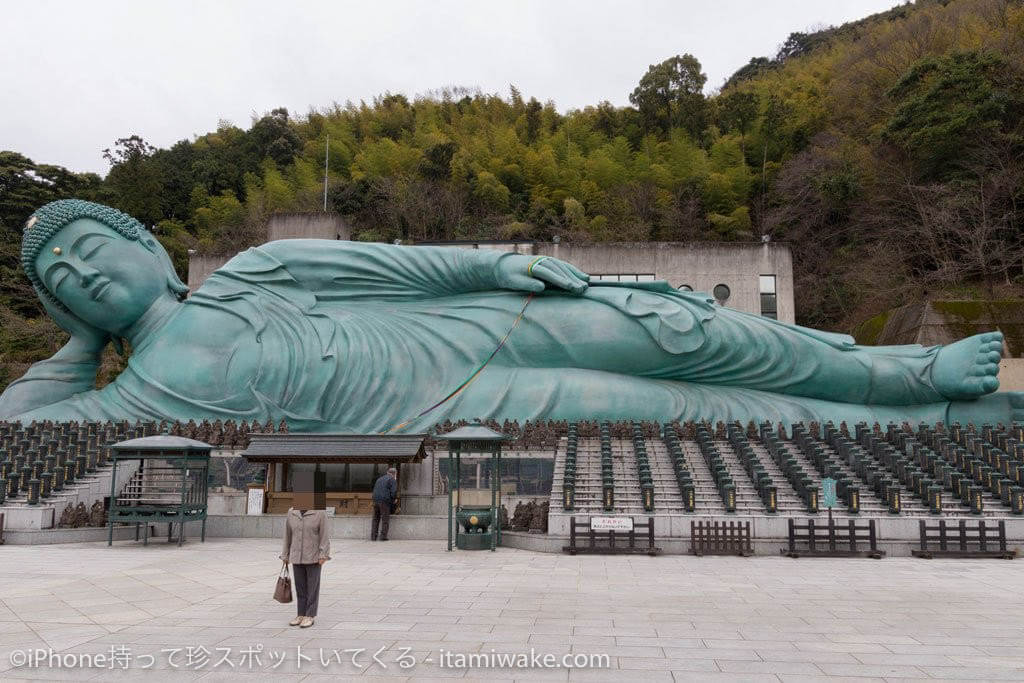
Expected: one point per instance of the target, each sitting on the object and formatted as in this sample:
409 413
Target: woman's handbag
283 590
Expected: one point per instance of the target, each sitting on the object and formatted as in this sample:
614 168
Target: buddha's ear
174 283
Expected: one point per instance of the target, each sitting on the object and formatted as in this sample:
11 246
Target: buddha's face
102 277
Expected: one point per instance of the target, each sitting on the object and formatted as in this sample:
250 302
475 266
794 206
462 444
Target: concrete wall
896 536
417 478
1011 374
200 266
224 501
319 226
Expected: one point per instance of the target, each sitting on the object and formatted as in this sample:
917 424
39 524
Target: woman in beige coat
307 545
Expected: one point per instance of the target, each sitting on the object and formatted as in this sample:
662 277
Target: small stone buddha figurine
359 337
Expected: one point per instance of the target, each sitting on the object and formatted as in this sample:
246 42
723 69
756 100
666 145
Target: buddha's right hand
85 339
523 273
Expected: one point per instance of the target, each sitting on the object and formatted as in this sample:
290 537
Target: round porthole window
685 288
721 293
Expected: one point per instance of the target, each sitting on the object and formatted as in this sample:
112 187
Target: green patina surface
358 337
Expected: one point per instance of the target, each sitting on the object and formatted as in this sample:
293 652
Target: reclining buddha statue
357 337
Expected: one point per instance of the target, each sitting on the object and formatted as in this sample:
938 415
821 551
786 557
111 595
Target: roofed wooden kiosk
351 462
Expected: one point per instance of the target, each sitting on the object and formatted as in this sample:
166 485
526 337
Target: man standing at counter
385 490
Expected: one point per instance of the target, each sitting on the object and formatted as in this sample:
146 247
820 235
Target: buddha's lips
98 289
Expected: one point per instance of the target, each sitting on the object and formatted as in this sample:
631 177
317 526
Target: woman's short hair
50 219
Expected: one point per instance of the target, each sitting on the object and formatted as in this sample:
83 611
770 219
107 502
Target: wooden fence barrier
720 538
611 542
963 540
832 540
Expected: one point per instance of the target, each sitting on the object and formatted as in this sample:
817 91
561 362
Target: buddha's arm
88 405
345 270
111 402
70 371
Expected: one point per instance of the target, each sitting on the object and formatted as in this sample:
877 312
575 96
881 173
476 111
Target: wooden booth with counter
351 464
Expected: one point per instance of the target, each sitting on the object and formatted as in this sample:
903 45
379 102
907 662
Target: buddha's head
100 264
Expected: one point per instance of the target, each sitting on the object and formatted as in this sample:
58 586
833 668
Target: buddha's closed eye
55 275
92 248
60 278
88 245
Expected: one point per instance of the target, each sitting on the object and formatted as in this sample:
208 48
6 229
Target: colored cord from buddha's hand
476 373
529 269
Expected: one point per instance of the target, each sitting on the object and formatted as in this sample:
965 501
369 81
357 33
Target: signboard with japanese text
611 523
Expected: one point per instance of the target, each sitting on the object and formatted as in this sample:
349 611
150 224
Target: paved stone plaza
663 618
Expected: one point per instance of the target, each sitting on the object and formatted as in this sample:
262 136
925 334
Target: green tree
752 69
947 105
134 179
533 119
671 94
737 111
437 161
273 136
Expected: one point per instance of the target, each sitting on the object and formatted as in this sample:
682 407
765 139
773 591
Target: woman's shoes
296 621
306 622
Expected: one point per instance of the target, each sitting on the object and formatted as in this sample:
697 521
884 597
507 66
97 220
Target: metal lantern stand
473 527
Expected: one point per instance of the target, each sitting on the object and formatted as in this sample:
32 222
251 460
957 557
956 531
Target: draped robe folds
362 337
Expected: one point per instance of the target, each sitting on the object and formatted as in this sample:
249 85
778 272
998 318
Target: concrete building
280 226
320 226
754 277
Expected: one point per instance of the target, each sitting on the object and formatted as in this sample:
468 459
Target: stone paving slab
672 618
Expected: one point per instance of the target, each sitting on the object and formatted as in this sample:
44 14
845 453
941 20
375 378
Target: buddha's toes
967 369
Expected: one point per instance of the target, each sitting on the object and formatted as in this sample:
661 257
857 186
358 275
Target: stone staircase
787 500
747 500
87 489
707 499
667 497
588 479
870 504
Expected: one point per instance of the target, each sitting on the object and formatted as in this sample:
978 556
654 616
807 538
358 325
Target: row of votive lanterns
39 460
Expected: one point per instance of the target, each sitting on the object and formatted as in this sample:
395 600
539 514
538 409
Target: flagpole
327 152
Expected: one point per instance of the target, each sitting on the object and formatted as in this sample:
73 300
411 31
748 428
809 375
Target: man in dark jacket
385 490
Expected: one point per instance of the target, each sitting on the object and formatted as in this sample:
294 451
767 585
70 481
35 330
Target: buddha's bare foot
1006 407
967 369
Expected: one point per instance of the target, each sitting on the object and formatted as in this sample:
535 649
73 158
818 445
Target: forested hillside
888 152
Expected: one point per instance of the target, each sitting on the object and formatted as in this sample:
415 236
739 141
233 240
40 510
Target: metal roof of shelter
473 432
160 445
476 437
340 448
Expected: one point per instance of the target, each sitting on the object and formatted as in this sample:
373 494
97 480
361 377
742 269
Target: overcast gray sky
78 75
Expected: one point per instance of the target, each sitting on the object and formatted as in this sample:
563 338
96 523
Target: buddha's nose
88 276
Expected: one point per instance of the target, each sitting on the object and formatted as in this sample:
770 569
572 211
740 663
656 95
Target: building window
622 277
685 288
769 297
339 477
721 293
